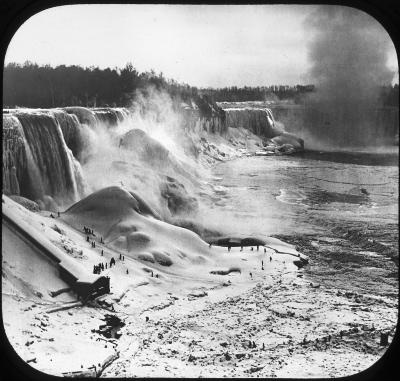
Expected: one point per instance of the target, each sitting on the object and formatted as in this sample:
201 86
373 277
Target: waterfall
260 121
110 117
84 115
42 148
71 129
50 168
14 155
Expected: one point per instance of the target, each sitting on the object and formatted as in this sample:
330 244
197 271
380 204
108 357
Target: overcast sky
202 45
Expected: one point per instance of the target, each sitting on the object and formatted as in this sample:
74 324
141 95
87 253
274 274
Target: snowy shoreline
199 323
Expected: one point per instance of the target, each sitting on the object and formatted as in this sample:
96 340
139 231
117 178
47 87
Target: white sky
202 45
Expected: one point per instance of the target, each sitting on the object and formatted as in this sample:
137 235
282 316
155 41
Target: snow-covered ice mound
153 154
130 226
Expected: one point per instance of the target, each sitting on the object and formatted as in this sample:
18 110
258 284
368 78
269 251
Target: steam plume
348 53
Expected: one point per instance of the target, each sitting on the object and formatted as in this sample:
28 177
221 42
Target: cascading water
71 129
41 148
50 168
84 115
258 120
107 117
14 155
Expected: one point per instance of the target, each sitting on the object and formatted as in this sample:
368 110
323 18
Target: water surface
297 194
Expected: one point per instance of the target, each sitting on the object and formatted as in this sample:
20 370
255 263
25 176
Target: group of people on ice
97 269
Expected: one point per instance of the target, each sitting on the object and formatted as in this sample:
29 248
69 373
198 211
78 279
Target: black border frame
14 13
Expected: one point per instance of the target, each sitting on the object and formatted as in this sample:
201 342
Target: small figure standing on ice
251 275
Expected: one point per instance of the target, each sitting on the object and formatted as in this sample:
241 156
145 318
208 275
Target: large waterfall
41 147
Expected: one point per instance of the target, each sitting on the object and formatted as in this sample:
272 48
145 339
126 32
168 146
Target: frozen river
297 194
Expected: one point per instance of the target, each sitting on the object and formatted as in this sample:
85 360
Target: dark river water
296 194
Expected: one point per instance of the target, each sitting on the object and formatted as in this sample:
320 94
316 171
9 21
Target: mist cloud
348 51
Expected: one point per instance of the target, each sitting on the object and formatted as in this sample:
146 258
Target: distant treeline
389 95
260 93
31 85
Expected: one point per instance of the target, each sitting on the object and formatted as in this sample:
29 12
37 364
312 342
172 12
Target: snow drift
132 227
